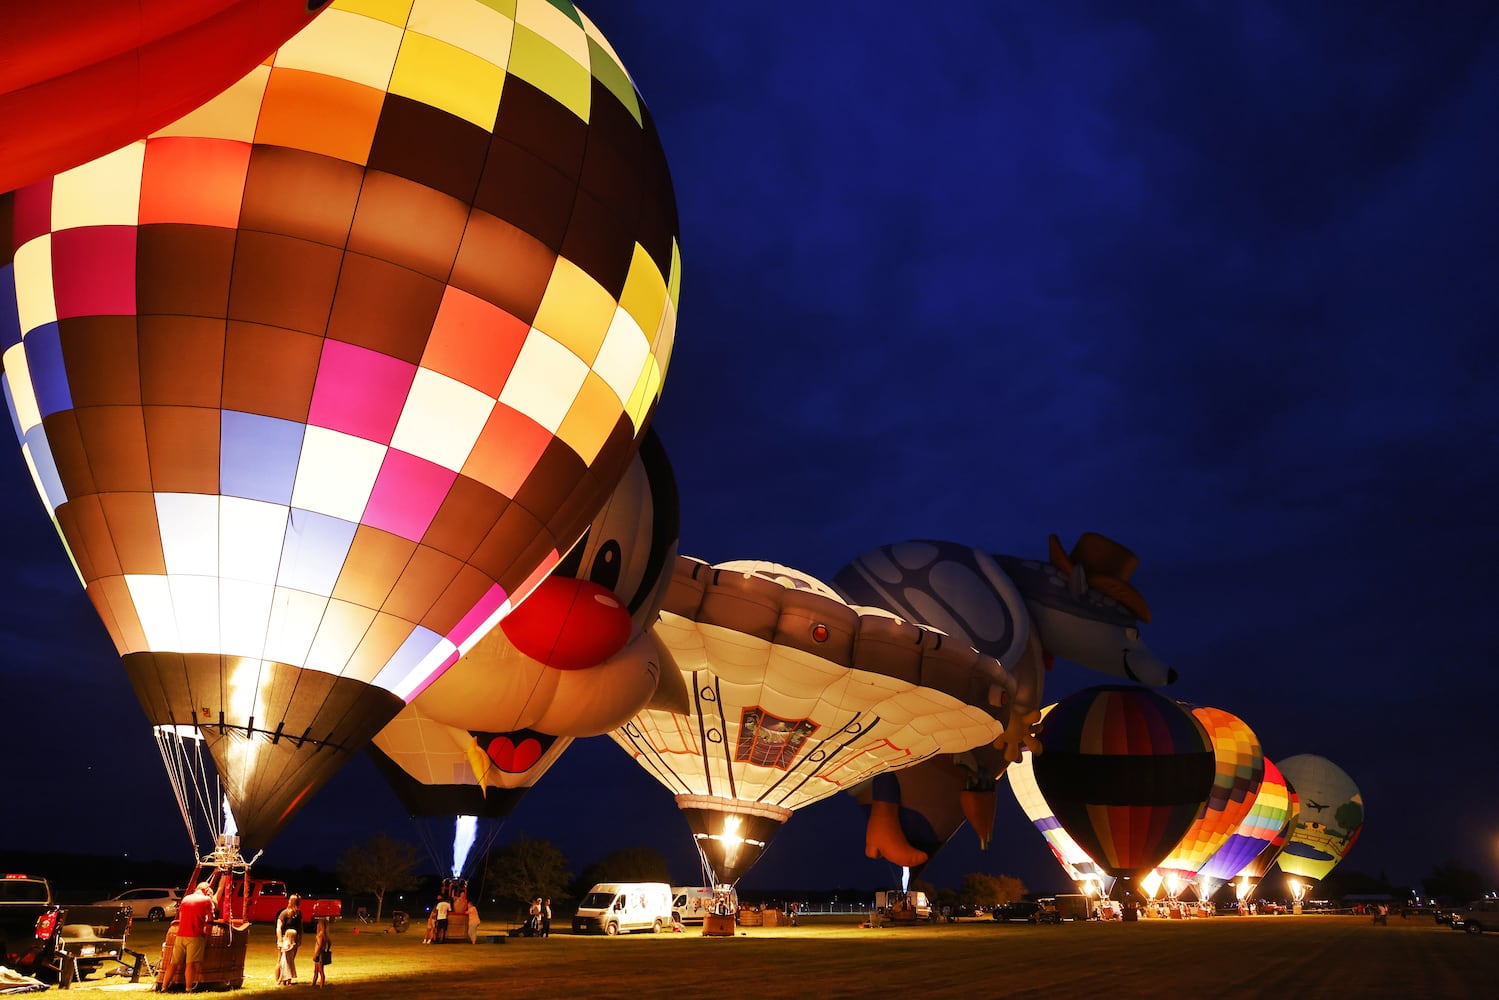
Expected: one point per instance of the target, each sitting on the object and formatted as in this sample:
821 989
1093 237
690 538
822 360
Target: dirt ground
1286 956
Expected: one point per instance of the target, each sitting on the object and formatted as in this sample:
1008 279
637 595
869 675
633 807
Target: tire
1472 927
611 928
156 915
656 926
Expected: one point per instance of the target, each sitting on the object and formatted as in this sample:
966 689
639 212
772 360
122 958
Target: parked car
1028 911
1478 916
147 904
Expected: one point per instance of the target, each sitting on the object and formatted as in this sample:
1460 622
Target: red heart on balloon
512 758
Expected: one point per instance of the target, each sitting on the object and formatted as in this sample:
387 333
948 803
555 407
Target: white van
690 902
621 907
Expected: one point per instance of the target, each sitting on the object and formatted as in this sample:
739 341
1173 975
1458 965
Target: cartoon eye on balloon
319 381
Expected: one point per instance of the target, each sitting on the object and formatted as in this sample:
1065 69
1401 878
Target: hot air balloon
83 77
1126 772
458 774
318 382
1331 817
1249 852
1239 765
785 695
1078 605
1080 868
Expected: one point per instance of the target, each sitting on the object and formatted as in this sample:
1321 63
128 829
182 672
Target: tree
527 868
1454 883
379 865
628 864
990 890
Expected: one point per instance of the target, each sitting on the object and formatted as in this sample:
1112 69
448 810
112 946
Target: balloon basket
718 925
223 959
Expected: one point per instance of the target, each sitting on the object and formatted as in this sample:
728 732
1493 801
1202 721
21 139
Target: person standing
440 923
533 918
194 914
322 951
289 918
286 965
546 918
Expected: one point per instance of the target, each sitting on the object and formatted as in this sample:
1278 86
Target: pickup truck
260 900
59 943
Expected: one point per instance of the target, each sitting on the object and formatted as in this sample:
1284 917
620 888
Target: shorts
442 924
189 950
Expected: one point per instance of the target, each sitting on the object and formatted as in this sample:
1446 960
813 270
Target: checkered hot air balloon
320 380
1248 853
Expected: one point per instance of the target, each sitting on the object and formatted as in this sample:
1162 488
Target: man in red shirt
194 914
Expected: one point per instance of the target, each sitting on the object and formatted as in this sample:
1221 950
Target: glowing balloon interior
320 380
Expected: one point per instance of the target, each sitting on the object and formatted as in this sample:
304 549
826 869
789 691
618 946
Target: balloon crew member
440 924
194 915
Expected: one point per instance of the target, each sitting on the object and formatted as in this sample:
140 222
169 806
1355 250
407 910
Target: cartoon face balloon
83 77
319 381
553 674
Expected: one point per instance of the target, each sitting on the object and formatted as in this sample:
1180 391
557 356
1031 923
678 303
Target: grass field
1284 957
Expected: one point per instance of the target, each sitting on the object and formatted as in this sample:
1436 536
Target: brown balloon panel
731 837
277 733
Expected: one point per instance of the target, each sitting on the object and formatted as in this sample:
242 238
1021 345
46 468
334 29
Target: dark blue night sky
1220 281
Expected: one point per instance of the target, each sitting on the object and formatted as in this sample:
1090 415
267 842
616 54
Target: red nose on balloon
569 624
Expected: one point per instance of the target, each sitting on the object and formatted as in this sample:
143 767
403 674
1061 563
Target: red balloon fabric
81 78
569 624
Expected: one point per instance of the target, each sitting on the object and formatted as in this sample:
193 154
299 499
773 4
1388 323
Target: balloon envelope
1126 772
320 380
83 77
1239 768
791 695
1331 816
1252 848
